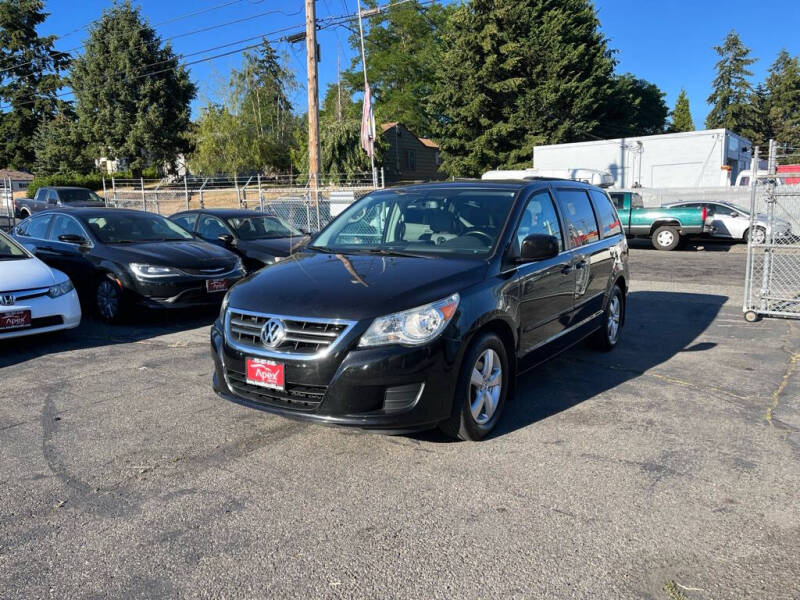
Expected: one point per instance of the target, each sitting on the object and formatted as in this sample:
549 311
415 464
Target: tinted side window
52 197
579 216
606 215
186 221
64 225
619 200
539 216
37 227
211 228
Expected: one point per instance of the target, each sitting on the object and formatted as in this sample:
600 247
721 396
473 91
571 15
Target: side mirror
538 246
734 214
226 238
71 238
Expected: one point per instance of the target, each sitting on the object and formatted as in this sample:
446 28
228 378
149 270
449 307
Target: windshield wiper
394 252
322 249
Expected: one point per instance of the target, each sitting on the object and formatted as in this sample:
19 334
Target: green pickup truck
666 227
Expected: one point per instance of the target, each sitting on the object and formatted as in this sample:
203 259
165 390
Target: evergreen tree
731 91
59 147
132 95
518 73
681 115
403 47
635 107
30 77
759 130
783 90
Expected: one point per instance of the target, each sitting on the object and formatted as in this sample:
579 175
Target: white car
732 221
33 297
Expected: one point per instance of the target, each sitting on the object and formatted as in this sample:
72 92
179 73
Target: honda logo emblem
272 333
7 299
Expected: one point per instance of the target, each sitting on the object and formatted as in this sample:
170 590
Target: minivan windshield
131 227
455 221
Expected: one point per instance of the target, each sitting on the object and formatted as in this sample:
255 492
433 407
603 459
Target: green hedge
93 181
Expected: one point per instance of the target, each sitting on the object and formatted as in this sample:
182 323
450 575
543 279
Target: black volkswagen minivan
418 306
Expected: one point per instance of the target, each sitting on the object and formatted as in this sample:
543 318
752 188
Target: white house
707 158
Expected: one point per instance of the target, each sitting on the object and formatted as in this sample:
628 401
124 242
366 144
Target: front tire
759 235
666 237
109 300
480 391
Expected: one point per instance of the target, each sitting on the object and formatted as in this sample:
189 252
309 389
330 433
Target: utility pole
313 98
366 85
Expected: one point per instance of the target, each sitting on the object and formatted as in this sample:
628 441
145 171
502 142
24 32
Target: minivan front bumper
392 389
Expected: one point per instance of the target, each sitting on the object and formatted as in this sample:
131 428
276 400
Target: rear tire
607 337
24 213
666 237
481 390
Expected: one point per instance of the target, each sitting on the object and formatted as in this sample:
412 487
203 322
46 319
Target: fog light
402 397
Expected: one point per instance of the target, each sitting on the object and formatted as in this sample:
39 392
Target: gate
772 281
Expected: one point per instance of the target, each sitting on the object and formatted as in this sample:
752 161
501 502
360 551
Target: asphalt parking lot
666 469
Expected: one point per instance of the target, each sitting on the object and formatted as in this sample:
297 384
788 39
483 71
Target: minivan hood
188 254
353 286
25 274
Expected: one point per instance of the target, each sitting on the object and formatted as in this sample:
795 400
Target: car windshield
67 196
259 228
10 250
131 227
462 221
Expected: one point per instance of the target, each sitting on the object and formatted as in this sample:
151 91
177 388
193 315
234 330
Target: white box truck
707 158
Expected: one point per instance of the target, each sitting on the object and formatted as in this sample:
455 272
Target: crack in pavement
794 358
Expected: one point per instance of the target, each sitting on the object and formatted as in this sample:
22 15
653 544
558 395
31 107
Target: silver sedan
732 221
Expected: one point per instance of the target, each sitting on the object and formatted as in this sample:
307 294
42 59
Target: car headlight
153 271
65 287
411 327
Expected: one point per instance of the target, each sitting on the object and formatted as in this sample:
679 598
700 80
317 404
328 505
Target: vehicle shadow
92 332
693 245
658 326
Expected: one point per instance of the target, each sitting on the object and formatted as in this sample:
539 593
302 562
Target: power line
174 37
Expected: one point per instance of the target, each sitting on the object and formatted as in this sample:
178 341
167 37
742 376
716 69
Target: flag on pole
367 124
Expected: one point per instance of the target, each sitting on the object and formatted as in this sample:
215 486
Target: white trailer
709 158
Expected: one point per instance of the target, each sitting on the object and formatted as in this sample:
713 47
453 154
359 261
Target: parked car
417 306
118 258
33 297
667 227
763 177
56 197
731 221
259 239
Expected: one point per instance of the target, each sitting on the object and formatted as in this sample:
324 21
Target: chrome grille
211 271
304 337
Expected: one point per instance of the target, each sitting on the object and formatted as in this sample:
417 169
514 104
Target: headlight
153 271
65 287
411 327
225 302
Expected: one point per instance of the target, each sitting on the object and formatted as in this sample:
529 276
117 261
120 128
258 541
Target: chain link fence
772 282
286 197
7 220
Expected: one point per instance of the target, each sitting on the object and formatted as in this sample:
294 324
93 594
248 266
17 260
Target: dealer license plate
265 373
15 319
216 285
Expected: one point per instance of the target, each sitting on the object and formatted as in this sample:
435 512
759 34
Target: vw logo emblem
7 300
272 333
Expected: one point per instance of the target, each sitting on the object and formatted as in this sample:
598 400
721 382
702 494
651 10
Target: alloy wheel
759 236
485 386
614 314
108 299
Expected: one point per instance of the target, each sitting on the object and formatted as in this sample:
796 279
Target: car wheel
666 237
24 214
109 300
759 235
607 337
481 390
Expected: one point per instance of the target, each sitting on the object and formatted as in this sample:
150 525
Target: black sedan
119 258
259 239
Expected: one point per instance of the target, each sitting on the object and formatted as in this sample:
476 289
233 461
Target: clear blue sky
668 43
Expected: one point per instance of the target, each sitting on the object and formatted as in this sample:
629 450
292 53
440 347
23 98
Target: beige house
409 158
20 180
